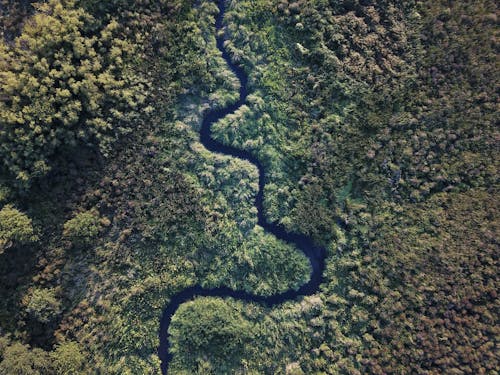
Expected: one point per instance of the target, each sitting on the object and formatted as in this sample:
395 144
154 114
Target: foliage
63 85
18 359
378 116
43 305
15 227
174 213
68 359
209 332
83 228
12 15
5 192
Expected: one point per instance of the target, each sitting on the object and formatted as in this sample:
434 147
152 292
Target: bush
4 194
14 227
83 228
43 305
68 359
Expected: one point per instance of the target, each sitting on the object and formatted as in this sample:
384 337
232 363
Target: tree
18 359
83 228
62 84
4 194
68 359
15 227
43 305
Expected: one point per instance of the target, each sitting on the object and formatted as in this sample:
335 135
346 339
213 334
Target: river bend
315 254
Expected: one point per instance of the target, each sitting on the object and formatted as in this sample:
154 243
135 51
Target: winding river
315 254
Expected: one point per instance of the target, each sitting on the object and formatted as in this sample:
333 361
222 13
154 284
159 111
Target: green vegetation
12 15
68 359
63 85
15 227
18 359
380 116
43 305
209 335
83 228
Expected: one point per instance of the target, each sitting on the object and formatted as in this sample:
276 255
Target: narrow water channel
315 254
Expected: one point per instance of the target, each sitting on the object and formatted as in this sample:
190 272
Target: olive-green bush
15 227
83 228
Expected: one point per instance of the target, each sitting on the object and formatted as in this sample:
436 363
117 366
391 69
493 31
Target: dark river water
315 254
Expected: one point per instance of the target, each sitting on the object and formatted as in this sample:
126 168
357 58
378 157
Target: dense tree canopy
375 122
63 84
19 359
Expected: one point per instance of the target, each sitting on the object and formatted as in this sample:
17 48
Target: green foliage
261 264
4 194
68 359
43 305
18 359
15 227
83 228
12 15
181 215
378 115
4 343
211 330
63 85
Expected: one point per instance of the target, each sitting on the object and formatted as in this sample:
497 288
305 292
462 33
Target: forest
375 123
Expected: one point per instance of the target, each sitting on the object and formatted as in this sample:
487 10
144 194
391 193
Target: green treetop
62 84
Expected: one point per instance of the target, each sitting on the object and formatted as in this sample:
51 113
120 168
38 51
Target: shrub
43 305
68 359
83 228
209 328
14 227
